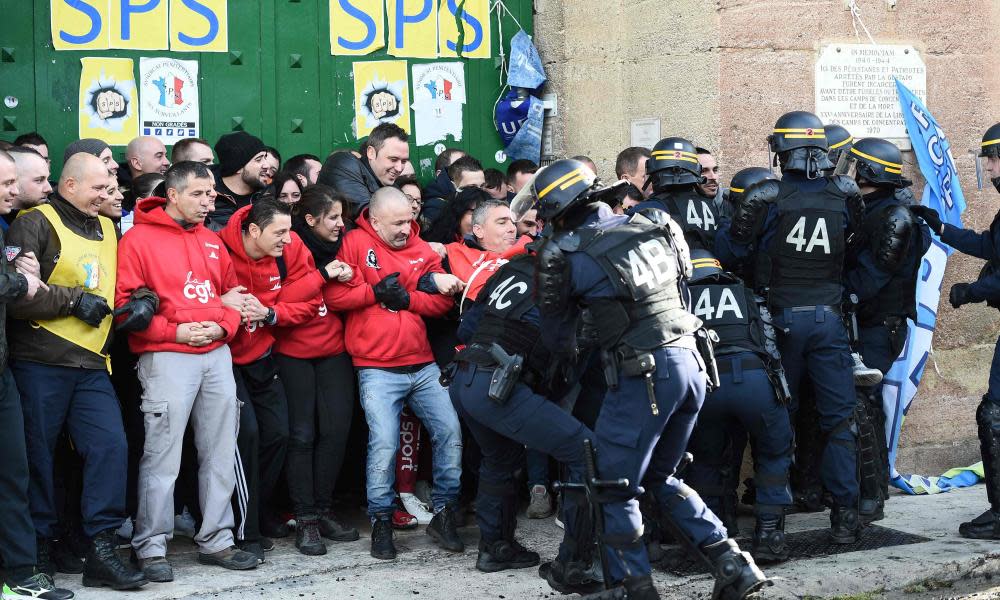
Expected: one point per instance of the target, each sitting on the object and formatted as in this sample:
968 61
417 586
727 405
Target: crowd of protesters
196 341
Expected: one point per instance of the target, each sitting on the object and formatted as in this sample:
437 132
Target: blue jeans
382 395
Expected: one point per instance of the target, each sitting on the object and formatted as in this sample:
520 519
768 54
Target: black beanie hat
235 150
86 145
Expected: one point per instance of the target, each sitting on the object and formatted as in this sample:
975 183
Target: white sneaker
415 507
864 376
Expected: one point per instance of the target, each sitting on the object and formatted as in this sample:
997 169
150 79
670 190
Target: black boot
845 526
43 556
382 546
307 538
572 577
64 558
332 529
632 588
769 544
736 575
502 555
987 525
871 510
105 568
443 529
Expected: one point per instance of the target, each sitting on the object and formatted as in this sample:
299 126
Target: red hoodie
321 336
262 278
377 336
189 269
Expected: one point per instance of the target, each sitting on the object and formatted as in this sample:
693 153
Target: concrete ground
948 566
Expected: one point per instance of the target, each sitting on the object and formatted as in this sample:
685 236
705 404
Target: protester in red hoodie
184 365
266 255
398 280
317 375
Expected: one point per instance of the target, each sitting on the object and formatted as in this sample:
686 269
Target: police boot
769 544
571 577
987 525
507 552
443 529
736 575
104 568
845 526
632 588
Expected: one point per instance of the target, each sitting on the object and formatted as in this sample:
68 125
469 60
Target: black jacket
13 286
351 176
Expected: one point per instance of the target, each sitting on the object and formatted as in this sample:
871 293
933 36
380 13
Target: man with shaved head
399 281
146 154
32 180
60 362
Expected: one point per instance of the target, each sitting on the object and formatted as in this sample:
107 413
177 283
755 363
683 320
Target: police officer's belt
479 355
814 307
727 365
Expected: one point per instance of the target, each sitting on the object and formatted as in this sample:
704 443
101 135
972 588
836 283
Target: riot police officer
799 228
732 197
985 245
753 393
674 172
625 277
499 389
883 278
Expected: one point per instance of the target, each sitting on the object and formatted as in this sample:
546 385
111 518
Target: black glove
140 314
391 294
961 293
91 309
930 216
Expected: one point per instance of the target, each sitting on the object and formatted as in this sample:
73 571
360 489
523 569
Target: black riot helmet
799 141
742 181
990 149
705 265
673 162
876 160
838 141
555 189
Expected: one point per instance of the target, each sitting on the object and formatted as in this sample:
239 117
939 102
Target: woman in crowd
455 221
286 188
318 377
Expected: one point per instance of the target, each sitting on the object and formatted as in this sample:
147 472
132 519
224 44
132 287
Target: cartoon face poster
381 95
108 100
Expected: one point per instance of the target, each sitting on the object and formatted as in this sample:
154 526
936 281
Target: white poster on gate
438 97
169 99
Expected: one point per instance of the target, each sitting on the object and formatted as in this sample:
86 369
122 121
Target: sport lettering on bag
499 300
651 265
820 237
706 221
704 310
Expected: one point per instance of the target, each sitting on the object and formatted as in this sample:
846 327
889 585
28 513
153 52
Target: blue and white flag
942 193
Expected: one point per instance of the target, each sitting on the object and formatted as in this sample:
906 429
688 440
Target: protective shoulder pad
574 239
846 185
552 279
749 215
891 240
651 215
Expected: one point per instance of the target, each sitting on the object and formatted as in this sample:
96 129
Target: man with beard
241 174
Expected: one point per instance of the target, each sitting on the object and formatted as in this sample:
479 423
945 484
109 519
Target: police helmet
797 129
879 161
991 142
673 161
742 181
839 141
555 189
705 265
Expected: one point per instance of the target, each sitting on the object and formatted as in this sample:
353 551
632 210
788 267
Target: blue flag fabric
526 70
944 194
527 142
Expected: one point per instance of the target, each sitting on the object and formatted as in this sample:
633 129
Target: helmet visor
847 166
525 200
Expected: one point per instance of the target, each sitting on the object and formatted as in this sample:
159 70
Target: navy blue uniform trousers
745 399
502 432
634 443
83 401
815 342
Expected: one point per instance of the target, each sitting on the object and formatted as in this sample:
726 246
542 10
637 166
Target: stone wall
720 73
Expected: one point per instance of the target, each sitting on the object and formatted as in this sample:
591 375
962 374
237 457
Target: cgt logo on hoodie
198 290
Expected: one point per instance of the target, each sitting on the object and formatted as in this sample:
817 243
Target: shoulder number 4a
820 236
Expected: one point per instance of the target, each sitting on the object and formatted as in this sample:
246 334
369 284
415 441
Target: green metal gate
278 80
